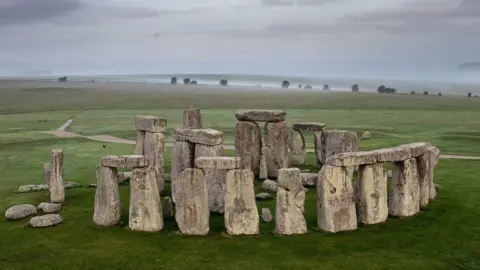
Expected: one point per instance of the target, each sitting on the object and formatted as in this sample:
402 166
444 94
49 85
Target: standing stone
335 200
153 151
191 208
425 171
183 154
192 118
167 207
57 189
270 186
275 147
215 178
317 140
248 145
336 142
241 213
107 197
47 171
139 144
404 197
434 153
372 194
297 148
289 218
267 215
145 212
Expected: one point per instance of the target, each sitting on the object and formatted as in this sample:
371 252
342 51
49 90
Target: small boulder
266 215
46 220
20 211
32 188
366 135
270 186
437 187
263 196
49 207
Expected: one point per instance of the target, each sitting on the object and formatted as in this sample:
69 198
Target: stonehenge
56 185
297 140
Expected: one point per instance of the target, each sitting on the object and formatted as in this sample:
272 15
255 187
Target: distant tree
285 84
186 81
475 96
469 95
412 92
308 86
193 82
62 79
425 93
381 89
355 88
300 86
223 82
173 80
440 94
326 87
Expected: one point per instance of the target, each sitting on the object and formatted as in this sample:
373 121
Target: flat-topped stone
206 136
415 149
127 161
219 163
352 159
309 126
392 154
150 123
261 115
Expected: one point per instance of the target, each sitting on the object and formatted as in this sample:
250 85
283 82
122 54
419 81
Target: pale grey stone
218 163
192 118
123 177
46 221
270 186
261 115
248 145
263 196
266 215
366 135
183 156
348 159
107 198
334 142
425 170
206 136
372 194
150 123
49 207
297 148
139 143
404 197
32 188
275 147
215 177
126 161
309 179
153 150
20 211
56 187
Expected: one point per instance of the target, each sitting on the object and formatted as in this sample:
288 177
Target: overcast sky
318 37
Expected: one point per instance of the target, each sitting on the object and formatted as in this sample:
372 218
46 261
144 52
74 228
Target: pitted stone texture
348 159
57 188
47 171
309 127
336 142
183 155
46 221
261 115
49 207
263 168
335 200
266 215
425 171
107 198
241 213
435 156
20 211
167 207
31 188
191 207
275 147
218 163
127 161
404 197
139 143
150 123
392 154
289 218
372 194
296 143
270 186
309 179
415 149
153 150
206 136
317 140
248 145
145 212
192 118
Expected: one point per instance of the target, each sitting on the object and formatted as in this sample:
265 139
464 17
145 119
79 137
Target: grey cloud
269 3
24 11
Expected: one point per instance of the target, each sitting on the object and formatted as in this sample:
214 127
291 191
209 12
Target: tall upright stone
335 142
335 200
372 194
317 140
57 188
47 172
140 142
434 153
183 155
215 178
404 197
276 147
153 150
145 212
192 118
289 218
241 213
297 147
191 207
248 145
425 170
107 198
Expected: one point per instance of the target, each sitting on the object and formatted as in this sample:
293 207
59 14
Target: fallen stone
153 151
46 221
261 115
192 118
31 188
127 161
106 210
309 179
150 123
167 207
296 144
275 148
218 163
56 187
270 186
92 185
49 207
266 215
348 159
69 185
123 177
20 211
263 196
366 135
404 197
206 136
139 143
183 155
47 170
372 195
309 127
248 145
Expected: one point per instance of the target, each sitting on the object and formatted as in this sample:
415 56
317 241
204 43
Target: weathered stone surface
348 159
392 154
263 196
309 179
366 135
261 115
415 149
183 155
56 187
68 185
127 161
192 118
47 172
435 156
191 207
317 140
404 197
248 145
372 194
335 200
145 212
270 186
124 176
215 177
46 221
150 123
263 168
275 147
49 207
389 174
289 218
206 136
309 127
20 211
296 143
241 213
153 151
31 188
335 142
167 207
139 143
218 163
107 198
266 215
425 170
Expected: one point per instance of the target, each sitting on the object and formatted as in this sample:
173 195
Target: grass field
444 236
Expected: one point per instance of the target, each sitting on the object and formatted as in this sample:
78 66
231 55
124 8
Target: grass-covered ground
444 236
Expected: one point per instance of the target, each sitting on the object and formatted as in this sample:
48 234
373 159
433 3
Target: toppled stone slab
46 221
263 196
20 211
218 163
309 127
309 179
352 159
404 197
31 188
192 118
270 186
372 194
248 143
127 161
206 136
266 215
49 207
150 123
261 115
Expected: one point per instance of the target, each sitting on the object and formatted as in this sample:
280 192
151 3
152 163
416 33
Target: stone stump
241 213
183 156
153 150
107 198
289 218
47 171
275 148
248 145
404 197
192 118
56 187
372 194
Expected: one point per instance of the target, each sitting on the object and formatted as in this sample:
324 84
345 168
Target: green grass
443 236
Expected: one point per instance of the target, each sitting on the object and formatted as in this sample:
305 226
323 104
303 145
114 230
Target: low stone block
352 159
309 127
20 211
404 197
206 136
127 161
261 115
218 163
150 123
46 221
